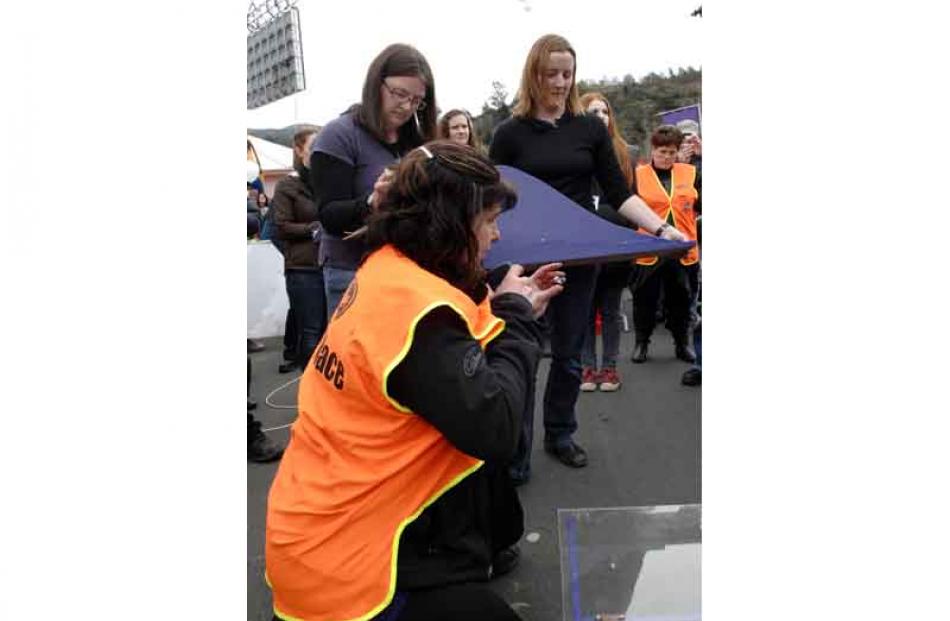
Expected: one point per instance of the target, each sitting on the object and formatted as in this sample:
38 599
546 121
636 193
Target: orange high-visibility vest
679 203
360 466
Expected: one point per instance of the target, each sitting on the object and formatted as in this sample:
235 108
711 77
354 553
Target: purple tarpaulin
672 117
547 226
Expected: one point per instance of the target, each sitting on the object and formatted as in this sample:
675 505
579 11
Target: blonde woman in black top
550 138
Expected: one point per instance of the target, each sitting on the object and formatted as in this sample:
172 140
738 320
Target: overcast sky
470 44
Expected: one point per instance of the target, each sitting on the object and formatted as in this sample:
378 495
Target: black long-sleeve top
567 155
340 211
474 400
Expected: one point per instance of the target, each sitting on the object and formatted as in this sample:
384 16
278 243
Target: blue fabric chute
546 226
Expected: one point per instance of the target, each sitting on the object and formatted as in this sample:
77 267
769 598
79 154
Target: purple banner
672 117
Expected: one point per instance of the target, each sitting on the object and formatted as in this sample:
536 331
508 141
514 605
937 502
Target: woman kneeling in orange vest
392 500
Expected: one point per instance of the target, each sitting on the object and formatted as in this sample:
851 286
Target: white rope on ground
277 427
277 390
278 406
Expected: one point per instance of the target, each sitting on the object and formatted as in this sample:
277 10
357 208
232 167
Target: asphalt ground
643 441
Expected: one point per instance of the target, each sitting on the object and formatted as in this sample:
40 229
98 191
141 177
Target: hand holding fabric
546 282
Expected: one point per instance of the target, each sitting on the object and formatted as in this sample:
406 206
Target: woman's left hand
547 276
672 234
538 289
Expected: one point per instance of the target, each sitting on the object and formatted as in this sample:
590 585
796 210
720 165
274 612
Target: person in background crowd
260 448
613 277
392 501
295 215
255 179
691 151
693 376
550 138
672 190
253 212
253 221
457 125
289 354
396 114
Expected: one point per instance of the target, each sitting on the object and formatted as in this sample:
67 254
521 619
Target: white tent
272 155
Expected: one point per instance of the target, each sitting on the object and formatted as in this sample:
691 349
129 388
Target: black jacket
476 401
295 215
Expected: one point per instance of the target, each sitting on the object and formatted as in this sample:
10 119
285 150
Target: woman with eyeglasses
550 137
349 158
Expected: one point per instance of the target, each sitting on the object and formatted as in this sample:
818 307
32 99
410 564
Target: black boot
684 352
506 560
640 352
570 455
260 448
254 346
692 377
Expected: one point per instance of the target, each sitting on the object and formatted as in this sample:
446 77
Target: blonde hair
621 148
529 93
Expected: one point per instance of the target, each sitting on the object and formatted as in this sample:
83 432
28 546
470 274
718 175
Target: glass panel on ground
631 563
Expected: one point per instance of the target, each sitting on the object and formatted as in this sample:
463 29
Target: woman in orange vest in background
392 500
672 190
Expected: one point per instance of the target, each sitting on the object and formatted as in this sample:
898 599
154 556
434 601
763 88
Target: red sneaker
609 380
589 380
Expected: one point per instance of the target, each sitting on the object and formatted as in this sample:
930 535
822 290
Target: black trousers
455 602
459 602
676 281
253 426
290 336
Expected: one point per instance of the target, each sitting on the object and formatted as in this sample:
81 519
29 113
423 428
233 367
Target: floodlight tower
274 52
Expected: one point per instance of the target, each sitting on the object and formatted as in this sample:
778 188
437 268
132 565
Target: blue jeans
308 305
336 280
610 285
569 313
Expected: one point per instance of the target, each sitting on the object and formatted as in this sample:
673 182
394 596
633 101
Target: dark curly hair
666 136
430 207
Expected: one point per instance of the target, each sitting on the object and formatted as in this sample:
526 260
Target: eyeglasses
402 96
